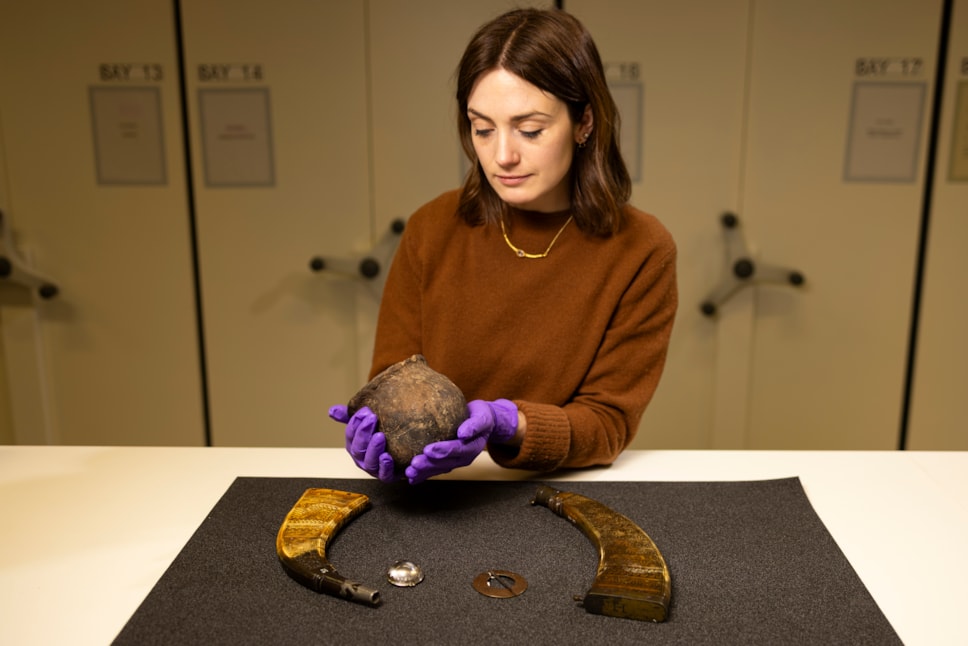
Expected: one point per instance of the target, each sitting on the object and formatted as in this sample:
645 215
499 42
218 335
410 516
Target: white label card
884 138
236 137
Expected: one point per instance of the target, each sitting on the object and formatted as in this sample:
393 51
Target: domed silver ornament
404 574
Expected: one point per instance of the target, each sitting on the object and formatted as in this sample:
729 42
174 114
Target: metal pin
494 577
509 584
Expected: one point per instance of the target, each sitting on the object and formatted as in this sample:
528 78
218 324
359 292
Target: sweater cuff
546 442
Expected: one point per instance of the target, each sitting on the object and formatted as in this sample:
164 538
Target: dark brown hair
553 51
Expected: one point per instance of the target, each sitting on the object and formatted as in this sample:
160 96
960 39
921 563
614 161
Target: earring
584 140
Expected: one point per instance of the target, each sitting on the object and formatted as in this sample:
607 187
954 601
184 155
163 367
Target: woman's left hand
487 421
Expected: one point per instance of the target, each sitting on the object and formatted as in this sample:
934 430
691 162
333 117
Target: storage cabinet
176 166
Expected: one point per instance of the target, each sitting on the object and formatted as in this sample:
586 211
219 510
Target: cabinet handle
15 270
368 266
744 271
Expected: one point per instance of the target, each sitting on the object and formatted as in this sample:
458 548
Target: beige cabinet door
277 97
939 405
838 117
94 198
753 108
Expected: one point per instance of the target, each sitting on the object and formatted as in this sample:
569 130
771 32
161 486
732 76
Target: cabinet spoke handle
367 266
744 271
15 269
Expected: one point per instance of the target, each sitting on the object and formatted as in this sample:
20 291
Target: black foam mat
751 563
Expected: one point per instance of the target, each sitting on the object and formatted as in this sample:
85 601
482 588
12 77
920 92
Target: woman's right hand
364 443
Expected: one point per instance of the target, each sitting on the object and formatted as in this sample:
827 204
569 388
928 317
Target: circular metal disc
500 584
404 574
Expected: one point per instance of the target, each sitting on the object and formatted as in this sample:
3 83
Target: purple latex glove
364 443
495 421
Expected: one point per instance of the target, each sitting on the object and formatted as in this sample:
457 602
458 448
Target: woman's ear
583 129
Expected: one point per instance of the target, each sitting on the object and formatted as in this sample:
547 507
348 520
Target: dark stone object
415 404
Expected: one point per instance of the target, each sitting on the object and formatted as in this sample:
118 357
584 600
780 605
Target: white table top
87 531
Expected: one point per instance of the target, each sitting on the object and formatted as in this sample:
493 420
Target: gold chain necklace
521 253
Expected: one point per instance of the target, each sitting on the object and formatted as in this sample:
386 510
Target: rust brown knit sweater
577 339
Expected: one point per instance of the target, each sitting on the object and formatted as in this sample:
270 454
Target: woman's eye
531 134
482 132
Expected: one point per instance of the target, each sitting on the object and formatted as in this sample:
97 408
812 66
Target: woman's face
525 141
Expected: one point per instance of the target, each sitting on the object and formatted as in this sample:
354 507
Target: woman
535 287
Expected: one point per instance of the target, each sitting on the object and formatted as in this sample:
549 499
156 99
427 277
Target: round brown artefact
415 404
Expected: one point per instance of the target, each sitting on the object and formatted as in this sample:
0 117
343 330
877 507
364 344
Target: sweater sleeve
603 416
